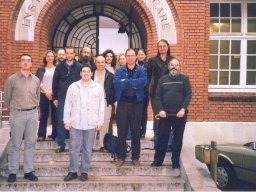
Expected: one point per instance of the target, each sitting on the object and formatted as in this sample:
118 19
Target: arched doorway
81 27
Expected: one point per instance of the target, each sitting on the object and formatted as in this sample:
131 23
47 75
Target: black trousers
144 117
44 113
166 125
128 114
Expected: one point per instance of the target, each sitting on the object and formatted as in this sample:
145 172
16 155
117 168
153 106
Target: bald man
105 78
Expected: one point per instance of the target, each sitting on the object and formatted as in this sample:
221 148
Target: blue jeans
61 132
44 113
22 123
81 140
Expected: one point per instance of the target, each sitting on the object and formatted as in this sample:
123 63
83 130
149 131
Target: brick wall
192 24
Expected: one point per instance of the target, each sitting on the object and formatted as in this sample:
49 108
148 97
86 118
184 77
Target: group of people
83 95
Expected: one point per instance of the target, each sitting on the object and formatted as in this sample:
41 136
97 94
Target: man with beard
66 72
86 57
173 95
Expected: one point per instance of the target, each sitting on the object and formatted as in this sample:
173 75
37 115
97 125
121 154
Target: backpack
111 143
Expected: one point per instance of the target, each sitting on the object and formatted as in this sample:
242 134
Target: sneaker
136 162
119 162
30 176
70 176
60 150
84 177
11 178
155 164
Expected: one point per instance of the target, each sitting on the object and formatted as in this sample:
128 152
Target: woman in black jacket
45 74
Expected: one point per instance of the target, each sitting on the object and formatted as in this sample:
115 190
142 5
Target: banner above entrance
164 20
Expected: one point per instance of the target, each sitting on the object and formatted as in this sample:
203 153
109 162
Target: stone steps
97 183
49 144
60 169
46 155
51 168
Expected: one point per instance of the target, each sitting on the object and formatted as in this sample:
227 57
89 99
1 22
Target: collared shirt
22 92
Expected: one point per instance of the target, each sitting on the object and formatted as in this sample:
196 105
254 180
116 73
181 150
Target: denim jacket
122 82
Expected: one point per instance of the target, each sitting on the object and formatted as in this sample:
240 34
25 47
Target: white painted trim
164 20
229 90
27 18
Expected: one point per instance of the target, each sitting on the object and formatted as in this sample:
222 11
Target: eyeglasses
25 60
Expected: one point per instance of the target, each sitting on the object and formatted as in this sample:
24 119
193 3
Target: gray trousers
81 140
22 123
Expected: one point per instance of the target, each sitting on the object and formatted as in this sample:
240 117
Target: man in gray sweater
173 95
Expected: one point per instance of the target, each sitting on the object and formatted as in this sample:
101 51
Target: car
236 161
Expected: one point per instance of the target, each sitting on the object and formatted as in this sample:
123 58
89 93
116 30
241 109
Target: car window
251 145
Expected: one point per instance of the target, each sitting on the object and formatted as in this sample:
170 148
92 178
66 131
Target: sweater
173 93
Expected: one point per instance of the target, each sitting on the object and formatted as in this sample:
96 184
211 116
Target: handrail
1 108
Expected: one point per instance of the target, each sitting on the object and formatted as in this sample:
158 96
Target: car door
249 165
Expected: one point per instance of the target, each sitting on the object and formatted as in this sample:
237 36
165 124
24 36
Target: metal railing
1 108
4 114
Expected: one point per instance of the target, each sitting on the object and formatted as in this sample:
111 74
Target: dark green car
236 161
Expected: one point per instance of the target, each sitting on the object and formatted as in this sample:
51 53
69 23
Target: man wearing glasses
22 91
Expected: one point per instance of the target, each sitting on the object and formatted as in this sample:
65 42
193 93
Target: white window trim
243 36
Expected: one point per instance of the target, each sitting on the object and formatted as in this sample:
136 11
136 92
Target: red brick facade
192 26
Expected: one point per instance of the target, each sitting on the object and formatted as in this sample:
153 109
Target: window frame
243 36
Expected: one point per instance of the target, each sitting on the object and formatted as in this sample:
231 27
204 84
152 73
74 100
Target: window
232 46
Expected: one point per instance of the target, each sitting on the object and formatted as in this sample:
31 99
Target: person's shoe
51 137
84 177
155 164
70 176
11 178
119 162
30 176
176 166
102 149
60 150
40 139
136 162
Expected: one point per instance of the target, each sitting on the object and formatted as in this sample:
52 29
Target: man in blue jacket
129 82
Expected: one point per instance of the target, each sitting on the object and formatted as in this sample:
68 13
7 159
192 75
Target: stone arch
52 13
